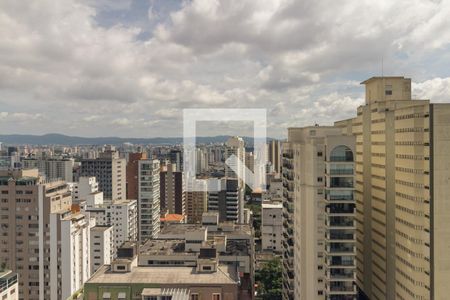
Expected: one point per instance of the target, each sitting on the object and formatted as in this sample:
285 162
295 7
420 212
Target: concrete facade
271 226
9 285
172 191
110 171
28 205
401 204
132 174
102 246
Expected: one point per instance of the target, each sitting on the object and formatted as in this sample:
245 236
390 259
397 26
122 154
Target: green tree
269 281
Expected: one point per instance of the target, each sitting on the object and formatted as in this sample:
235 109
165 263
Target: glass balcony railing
340 274
341 171
333 235
338 261
339 286
341 182
341 208
340 221
341 248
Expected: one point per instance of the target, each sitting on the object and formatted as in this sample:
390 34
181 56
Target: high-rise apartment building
51 168
402 199
235 146
201 160
82 188
288 220
132 174
71 267
250 161
401 175
228 201
176 158
172 191
274 155
322 209
110 171
122 215
196 201
149 199
33 214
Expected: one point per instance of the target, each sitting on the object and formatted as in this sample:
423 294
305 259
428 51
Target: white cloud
436 89
301 60
19 117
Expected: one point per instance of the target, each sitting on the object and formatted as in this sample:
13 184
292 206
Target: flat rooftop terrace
164 275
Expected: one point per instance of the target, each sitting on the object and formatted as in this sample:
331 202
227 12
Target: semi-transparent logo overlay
255 179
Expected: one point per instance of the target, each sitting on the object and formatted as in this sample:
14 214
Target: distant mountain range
61 139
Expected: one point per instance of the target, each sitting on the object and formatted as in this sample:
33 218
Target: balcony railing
341 248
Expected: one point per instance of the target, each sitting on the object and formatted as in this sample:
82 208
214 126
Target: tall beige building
235 146
319 216
196 201
402 198
41 238
402 174
274 155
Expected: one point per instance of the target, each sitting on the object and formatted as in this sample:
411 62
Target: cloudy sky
129 67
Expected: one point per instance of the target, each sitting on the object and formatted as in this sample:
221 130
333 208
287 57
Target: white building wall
102 247
271 227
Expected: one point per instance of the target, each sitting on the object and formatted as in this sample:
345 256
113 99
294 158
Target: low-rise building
102 246
271 226
183 244
124 279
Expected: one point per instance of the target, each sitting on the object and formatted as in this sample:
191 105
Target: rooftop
121 202
382 77
272 205
164 275
181 229
164 247
172 218
101 228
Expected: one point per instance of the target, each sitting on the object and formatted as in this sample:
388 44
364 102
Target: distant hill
61 139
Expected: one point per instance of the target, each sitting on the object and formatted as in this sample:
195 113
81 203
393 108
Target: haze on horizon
127 68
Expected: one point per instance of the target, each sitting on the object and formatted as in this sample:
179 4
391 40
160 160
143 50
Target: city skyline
93 68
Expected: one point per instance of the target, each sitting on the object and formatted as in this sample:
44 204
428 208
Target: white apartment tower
73 267
149 199
122 215
84 187
102 246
